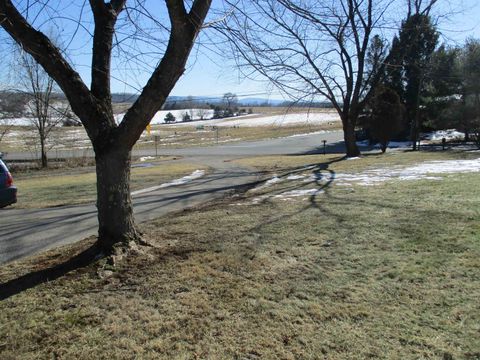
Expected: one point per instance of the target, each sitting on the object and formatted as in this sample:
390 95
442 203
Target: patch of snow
186 179
295 177
416 172
353 158
447 166
272 181
275 179
298 193
145 158
315 177
258 199
229 140
450 134
287 195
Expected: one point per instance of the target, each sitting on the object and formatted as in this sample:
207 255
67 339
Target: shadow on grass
32 279
321 187
323 179
92 254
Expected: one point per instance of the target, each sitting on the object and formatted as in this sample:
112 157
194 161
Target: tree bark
414 130
43 152
350 138
115 211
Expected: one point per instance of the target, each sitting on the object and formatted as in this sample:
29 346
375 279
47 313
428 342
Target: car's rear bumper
8 196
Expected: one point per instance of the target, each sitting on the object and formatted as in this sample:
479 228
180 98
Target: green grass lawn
389 271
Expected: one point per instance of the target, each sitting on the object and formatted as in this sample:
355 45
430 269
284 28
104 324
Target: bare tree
420 7
230 101
40 89
311 49
112 143
201 112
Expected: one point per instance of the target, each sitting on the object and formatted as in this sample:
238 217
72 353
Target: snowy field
245 120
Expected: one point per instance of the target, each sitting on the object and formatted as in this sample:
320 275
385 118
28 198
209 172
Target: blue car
8 192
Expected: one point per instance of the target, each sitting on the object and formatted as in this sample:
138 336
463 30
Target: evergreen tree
169 118
418 39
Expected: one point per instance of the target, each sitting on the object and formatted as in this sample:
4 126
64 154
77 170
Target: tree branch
185 28
105 17
51 59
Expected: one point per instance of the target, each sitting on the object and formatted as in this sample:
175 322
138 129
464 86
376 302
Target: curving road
26 232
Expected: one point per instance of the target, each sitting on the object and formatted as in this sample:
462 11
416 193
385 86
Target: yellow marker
149 127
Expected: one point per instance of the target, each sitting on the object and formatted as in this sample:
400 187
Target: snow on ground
295 177
145 158
287 195
186 179
275 179
298 193
160 115
244 120
422 171
450 134
250 120
24 121
282 120
417 172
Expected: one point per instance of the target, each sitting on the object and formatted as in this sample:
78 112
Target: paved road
26 232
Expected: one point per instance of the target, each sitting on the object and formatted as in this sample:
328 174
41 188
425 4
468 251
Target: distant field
272 123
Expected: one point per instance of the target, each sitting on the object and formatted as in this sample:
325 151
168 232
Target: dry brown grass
388 272
53 188
185 136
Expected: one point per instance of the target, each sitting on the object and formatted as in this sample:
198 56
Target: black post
324 147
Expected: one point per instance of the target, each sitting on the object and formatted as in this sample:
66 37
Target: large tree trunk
350 139
115 211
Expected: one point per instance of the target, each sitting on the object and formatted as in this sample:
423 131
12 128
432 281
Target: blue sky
216 76
208 73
